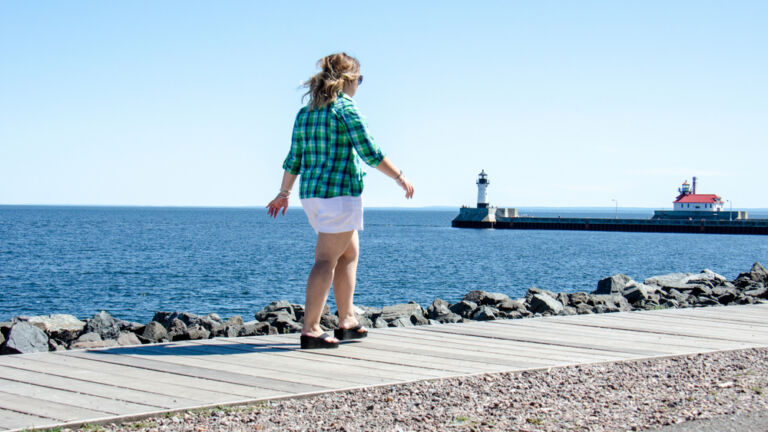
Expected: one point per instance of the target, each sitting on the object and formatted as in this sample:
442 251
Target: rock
197 332
562 298
253 328
511 305
90 337
54 345
485 313
365 321
677 295
610 303
569 310
403 310
668 280
463 308
2 340
758 273
284 322
401 322
214 317
419 319
24 337
380 323
127 339
541 303
177 329
92 340
707 275
757 293
155 332
96 344
282 305
612 285
533 291
62 327
234 324
726 298
485 298
578 297
438 308
450 318
104 324
583 309
329 321
636 294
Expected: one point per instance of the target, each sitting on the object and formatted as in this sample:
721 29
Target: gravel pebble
619 396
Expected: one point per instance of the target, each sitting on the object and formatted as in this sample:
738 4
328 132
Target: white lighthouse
482 190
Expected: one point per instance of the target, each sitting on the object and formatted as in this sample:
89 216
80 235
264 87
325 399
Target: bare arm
281 200
390 170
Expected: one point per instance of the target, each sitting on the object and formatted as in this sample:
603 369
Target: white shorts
334 215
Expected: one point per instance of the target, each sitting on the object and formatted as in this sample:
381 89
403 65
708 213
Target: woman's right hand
406 185
280 202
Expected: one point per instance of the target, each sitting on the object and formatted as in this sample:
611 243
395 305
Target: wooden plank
83 400
546 339
635 336
452 353
263 367
199 372
512 348
17 420
350 351
670 344
333 368
100 380
41 408
744 334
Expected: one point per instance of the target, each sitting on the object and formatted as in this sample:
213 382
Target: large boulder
464 308
62 327
485 313
284 322
438 308
485 298
273 308
25 338
670 280
543 303
234 324
128 339
92 340
757 274
612 285
637 293
609 303
402 310
154 332
166 318
254 328
105 325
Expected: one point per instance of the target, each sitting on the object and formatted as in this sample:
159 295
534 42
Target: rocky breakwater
24 334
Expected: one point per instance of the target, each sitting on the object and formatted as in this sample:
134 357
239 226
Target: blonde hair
335 70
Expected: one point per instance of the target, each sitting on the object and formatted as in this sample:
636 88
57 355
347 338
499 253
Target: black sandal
351 333
312 342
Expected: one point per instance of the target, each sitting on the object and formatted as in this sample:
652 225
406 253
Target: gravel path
605 397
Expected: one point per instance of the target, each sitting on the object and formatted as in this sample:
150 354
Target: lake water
133 261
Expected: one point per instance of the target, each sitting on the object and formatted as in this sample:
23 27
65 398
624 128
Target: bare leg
344 283
329 249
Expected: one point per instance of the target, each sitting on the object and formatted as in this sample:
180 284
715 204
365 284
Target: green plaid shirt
321 150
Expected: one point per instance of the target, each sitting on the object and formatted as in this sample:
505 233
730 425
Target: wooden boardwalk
89 386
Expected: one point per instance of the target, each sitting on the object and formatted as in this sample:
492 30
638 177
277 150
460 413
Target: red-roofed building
689 200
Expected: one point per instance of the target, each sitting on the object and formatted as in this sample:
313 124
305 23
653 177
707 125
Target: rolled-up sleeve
292 162
361 137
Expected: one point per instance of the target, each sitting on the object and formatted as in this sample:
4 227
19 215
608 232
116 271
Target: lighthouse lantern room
482 190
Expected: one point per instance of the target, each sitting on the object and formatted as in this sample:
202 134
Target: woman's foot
323 340
350 329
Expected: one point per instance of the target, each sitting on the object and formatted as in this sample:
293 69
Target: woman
330 136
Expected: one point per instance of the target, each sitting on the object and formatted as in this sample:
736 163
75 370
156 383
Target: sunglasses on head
359 80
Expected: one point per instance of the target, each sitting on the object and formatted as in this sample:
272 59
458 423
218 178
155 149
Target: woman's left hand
280 202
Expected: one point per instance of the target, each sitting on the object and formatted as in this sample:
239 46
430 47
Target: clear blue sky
563 103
